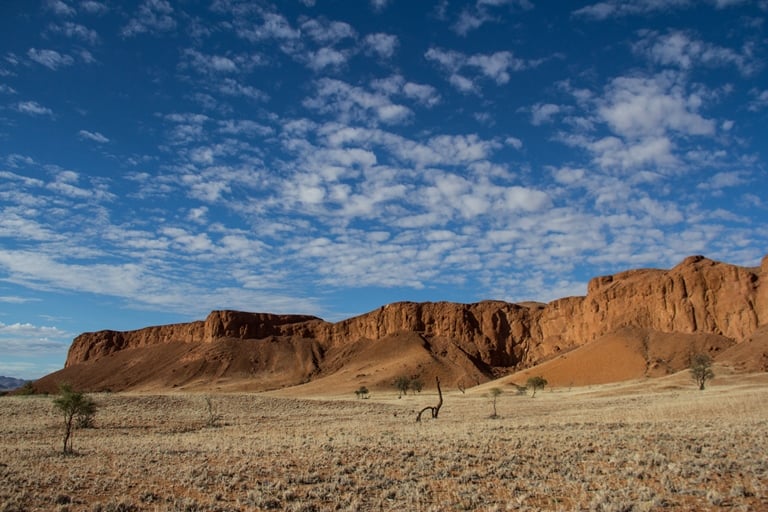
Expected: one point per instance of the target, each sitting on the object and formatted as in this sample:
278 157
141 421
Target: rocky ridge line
697 296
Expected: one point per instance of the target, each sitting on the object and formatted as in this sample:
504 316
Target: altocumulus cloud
93 136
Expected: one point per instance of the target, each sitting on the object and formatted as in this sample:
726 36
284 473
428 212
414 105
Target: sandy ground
638 445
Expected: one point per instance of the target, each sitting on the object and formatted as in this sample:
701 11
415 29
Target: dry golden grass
634 446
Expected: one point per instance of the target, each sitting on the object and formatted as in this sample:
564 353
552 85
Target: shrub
402 384
26 390
494 394
701 369
75 406
213 418
537 382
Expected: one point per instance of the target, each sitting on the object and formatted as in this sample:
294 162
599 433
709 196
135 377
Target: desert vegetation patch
610 447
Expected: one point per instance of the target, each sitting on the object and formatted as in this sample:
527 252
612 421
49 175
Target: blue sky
162 159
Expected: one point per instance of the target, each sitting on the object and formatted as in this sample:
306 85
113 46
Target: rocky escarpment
697 296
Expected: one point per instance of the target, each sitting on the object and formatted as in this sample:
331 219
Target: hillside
637 323
8 383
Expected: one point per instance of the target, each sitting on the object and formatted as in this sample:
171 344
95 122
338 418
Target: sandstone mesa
700 304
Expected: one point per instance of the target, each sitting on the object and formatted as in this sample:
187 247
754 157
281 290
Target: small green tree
417 385
402 384
701 369
362 392
27 389
534 383
75 406
494 394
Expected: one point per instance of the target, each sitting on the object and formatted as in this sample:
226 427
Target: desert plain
640 445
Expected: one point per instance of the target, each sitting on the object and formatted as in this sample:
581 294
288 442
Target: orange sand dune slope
376 364
625 354
749 356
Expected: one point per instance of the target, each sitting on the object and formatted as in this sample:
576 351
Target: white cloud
438 150
93 7
543 113
326 32
198 215
652 106
495 66
449 59
473 17
187 127
50 58
233 87
470 20
272 25
67 184
210 63
379 5
615 153
93 136
523 4
463 83
681 49
187 242
86 56
355 103
60 8
759 101
619 8
17 224
384 45
24 339
725 179
423 93
38 270
27 330
153 17
325 57
514 142
33 108
569 176
244 127
10 299
75 30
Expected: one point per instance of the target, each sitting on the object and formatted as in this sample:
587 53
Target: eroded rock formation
697 296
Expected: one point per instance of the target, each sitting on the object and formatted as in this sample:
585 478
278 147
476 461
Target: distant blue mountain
7 383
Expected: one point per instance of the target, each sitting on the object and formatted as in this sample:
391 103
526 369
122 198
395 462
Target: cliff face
93 345
697 296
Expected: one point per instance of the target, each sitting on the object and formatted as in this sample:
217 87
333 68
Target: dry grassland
606 448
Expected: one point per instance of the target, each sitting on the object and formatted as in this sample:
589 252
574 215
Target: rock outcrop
697 296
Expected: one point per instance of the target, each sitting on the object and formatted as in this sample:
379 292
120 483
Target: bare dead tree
435 410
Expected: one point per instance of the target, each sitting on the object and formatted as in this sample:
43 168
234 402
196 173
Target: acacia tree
362 392
73 404
701 369
494 394
537 382
402 384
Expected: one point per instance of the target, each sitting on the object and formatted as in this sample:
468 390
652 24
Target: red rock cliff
697 296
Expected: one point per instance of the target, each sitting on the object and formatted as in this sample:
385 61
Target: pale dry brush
563 451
